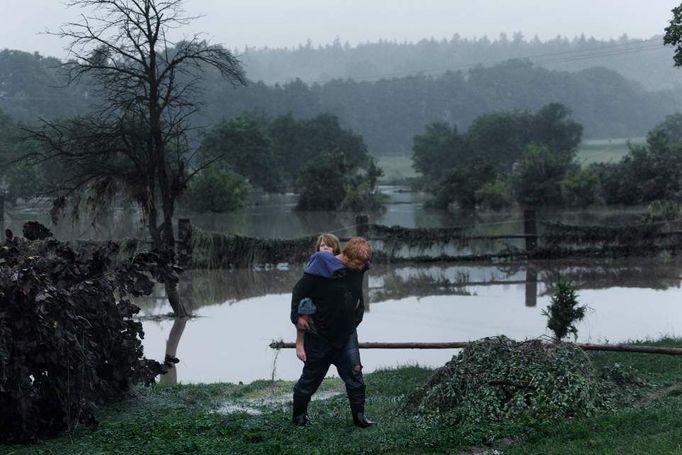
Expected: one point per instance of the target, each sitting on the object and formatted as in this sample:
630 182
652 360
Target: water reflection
273 216
240 312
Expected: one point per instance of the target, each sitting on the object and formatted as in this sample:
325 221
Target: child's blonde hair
330 240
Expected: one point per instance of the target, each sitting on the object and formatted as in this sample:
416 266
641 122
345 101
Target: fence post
530 229
184 245
362 230
531 285
2 215
362 226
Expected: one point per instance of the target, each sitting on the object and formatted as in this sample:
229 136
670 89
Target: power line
571 56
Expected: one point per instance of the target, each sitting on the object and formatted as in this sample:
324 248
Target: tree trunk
164 240
179 308
171 377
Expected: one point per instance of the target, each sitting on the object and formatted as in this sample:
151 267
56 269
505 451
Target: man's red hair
358 248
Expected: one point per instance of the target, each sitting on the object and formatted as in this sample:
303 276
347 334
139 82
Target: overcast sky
287 23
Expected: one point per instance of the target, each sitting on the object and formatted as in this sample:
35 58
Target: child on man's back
328 243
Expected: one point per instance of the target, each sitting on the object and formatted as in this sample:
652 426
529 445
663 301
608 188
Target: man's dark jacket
337 294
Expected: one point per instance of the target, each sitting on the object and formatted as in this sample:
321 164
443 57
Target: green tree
552 126
673 35
136 144
297 143
33 87
329 183
216 190
647 173
244 145
580 187
361 190
462 184
536 179
495 194
672 127
20 179
438 150
456 168
323 183
500 137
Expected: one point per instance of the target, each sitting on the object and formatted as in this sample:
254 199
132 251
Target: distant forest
645 61
388 112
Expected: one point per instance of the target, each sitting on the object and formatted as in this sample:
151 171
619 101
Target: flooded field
273 216
240 312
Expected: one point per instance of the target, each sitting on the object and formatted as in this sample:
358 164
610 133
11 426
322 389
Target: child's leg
300 348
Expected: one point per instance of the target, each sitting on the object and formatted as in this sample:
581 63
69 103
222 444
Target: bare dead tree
135 144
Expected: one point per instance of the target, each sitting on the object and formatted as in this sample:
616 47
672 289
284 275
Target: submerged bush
662 212
216 190
498 379
68 341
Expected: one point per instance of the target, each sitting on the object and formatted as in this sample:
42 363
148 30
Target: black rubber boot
359 418
356 398
300 417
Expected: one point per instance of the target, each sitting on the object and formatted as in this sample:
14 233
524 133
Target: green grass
397 168
182 419
656 429
605 151
653 426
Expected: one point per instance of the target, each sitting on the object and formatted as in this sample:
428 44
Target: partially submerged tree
495 146
136 143
537 176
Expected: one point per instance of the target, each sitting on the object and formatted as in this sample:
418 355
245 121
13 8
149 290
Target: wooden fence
527 238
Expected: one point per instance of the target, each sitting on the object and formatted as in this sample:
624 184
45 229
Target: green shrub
67 338
563 312
663 211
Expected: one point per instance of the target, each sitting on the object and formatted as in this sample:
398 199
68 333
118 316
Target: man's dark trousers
320 355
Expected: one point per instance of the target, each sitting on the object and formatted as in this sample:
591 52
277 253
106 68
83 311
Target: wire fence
517 238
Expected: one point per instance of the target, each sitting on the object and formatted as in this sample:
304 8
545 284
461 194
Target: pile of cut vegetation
498 379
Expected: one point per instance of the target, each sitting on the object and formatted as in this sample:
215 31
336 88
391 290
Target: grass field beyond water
398 168
255 419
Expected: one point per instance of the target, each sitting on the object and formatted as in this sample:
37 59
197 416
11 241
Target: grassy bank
606 150
254 418
398 168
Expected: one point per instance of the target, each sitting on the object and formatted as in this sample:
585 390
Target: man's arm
360 304
359 311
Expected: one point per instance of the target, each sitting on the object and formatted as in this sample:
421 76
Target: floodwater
273 216
240 312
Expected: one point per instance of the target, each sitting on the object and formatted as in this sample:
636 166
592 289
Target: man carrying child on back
334 284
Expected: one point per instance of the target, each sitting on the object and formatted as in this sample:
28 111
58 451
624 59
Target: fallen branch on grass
463 344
